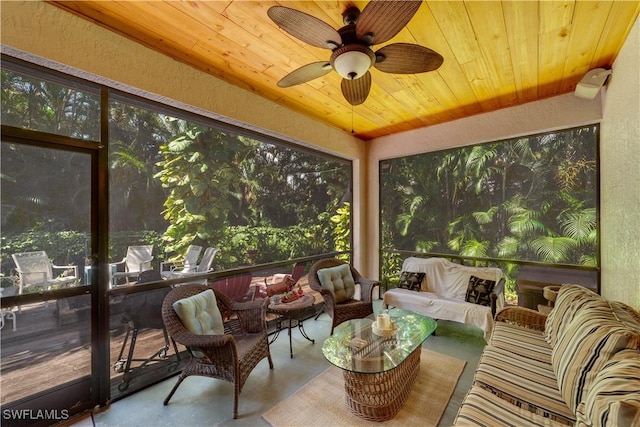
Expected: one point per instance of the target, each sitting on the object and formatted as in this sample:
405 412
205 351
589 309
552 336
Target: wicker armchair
352 309
229 357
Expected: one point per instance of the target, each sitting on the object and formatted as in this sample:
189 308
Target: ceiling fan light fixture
352 61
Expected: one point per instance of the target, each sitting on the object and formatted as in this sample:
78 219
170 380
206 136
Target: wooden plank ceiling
497 54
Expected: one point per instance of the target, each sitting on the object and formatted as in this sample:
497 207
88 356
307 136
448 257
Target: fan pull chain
352 131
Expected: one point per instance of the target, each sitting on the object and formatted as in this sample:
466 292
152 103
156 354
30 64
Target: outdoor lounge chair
235 287
188 265
216 352
345 304
35 269
260 290
138 259
298 271
205 266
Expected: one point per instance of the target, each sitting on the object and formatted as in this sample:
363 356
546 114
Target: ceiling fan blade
385 19
305 27
407 58
356 91
305 73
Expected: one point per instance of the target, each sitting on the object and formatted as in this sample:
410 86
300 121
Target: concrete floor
204 401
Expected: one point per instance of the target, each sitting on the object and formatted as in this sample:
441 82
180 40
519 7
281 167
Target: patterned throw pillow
570 301
592 338
479 291
614 396
411 281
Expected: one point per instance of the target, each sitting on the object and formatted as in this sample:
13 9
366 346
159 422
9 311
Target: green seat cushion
339 281
200 314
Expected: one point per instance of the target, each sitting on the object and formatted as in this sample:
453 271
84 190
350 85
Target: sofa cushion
526 342
587 344
571 298
200 314
479 291
614 397
482 408
448 279
526 382
411 281
437 307
339 281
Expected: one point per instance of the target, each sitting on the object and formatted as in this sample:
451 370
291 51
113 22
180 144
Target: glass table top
355 347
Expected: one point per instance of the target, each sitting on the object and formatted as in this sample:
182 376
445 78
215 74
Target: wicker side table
379 396
290 315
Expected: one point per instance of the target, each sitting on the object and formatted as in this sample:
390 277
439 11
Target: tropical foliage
529 199
174 180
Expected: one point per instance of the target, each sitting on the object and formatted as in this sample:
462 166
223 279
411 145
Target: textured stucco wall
45 34
620 177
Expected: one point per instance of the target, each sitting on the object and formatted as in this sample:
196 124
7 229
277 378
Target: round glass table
378 369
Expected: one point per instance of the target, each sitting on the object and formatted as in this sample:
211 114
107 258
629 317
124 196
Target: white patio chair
203 267
35 269
138 259
188 265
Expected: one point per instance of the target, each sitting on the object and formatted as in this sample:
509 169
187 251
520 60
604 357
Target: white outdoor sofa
443 293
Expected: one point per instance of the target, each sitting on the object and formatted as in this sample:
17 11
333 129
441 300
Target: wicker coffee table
378 371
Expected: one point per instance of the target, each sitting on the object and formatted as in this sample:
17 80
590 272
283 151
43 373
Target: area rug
321 401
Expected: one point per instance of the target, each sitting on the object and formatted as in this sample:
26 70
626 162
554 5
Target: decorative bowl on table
383 332
291 296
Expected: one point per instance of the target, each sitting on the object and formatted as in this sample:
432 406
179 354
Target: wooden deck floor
50 348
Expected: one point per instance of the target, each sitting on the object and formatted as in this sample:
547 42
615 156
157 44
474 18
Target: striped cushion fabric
625 314
482 408
523 381
614 397
571 298
522 341
591 339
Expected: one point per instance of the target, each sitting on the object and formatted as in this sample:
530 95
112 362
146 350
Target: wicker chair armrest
251 314
368 285
327 296
522 316
189 339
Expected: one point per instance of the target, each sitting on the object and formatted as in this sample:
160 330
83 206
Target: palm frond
553 249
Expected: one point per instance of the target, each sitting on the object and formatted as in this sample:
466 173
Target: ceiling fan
352 55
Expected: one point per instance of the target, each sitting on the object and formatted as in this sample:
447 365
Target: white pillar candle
384 322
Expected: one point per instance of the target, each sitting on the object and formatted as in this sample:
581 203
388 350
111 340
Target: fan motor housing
350 15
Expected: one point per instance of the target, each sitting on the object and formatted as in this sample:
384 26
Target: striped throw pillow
614 397
571 299
591 339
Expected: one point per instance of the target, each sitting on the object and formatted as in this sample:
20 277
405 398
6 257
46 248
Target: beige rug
321 401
